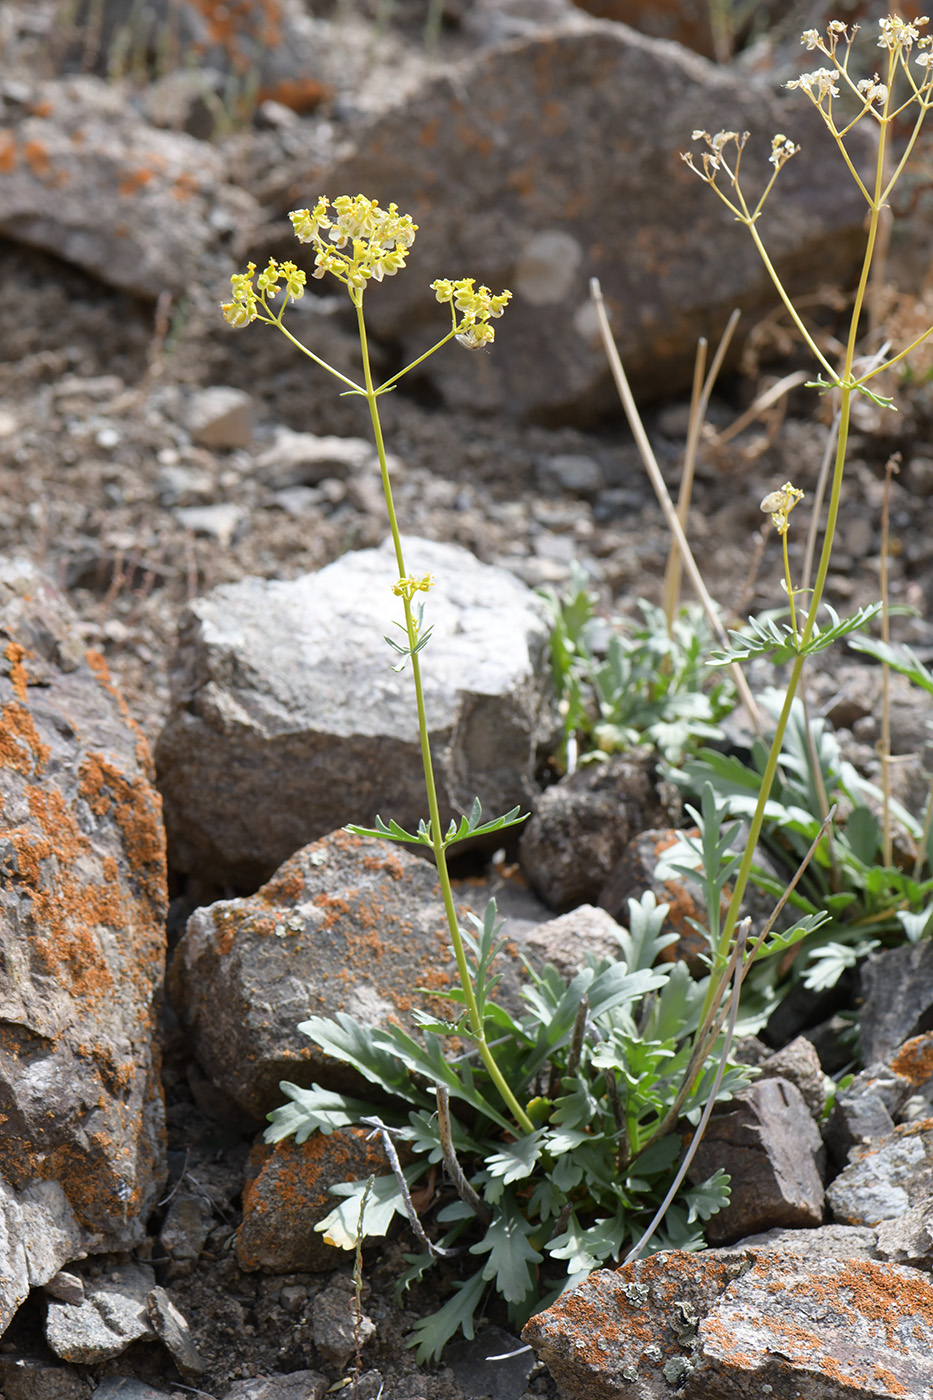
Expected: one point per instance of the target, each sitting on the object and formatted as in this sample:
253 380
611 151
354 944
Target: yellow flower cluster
476 305
408 586
363 242
247 299
780 504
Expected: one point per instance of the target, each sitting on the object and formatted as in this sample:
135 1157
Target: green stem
477 1029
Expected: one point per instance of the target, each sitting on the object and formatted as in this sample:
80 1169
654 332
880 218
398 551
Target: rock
66 1287
82 946
298 1385
172 1329
686 22
799 1063
263 49
715 1326
304 459
884 1179
287 1193
768 1143
582 825
30 1378
188 1222
338 1323
897 985
348 924
127 1388
82 176
221 520
821 1242
221 417
571 471
909 1238
914 1063
858 1117
288 720
565 941
477 1372
112 1316
493 137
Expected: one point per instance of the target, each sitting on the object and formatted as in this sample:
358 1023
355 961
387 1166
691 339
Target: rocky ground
109 484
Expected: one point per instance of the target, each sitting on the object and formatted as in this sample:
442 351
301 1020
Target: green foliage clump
620 685
599 1064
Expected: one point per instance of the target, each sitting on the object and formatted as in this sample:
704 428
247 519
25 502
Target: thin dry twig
664 499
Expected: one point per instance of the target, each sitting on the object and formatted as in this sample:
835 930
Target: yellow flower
363 241
477 306
244 306
408 586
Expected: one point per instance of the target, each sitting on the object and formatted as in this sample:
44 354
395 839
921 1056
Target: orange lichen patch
36 157
21 749
7 152
133 181
43 108
185 185
286 886
301 94
16 654
227 25
137 812
914 1060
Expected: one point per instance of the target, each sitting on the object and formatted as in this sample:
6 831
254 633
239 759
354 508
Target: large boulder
289 721
82 909
83 176
348 924
716 1326
546 161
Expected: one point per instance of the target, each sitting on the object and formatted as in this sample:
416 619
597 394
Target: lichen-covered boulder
82 947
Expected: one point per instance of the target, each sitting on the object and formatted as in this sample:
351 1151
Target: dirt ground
95 466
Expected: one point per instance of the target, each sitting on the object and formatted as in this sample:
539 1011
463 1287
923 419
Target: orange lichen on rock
19 680
137 811
300 94
36 157
21 749
914 1060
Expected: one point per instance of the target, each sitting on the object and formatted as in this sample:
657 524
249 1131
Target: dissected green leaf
431 1334
312 1110
511 1254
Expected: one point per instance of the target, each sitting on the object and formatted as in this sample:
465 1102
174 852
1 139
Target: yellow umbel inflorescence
779 505
477 306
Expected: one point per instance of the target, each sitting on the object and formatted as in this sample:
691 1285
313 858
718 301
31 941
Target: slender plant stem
477 1029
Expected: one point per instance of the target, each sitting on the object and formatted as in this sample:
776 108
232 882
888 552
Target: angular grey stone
127 1388
566 940
82 946
582 825
220 416
897 985
172 1329
856 1118
337 1324
288 720
508 132
885 1178
718 1326
769 1145
909 1238
187 1225
303 459
297 1385
89 180
500 1379
29 1378
112 1316
67 1288
799 1063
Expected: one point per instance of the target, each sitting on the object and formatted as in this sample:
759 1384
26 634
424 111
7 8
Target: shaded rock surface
897 985
349 924
82 945
582 825
768 1143
289 720
885 1177
715 1326
84 177
491 137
